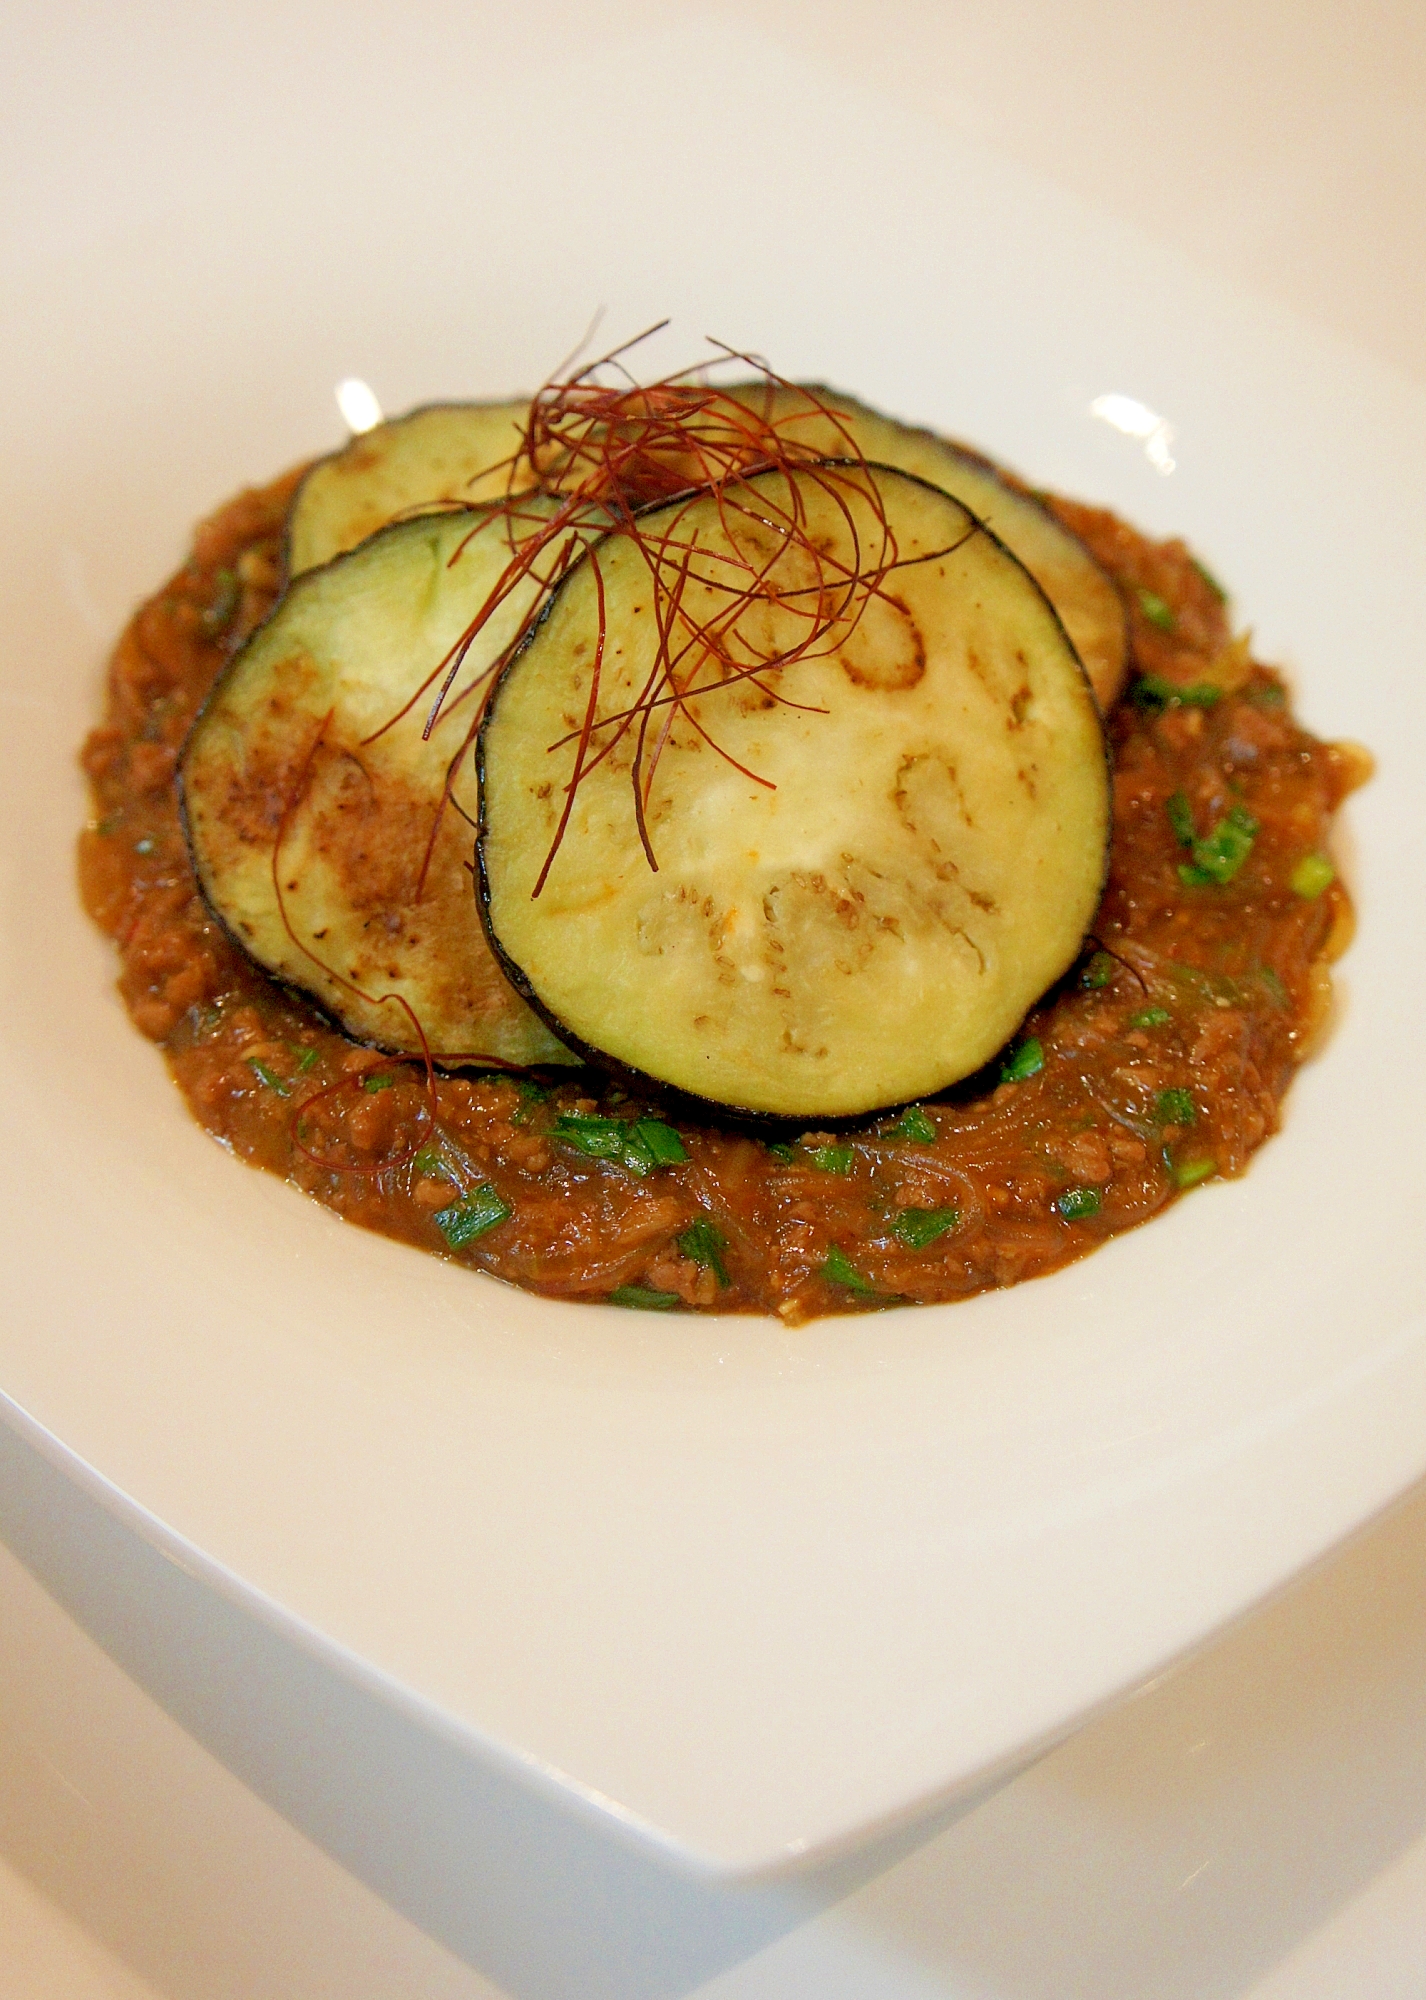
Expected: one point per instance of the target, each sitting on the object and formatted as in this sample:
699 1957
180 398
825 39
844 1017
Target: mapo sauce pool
1159 1063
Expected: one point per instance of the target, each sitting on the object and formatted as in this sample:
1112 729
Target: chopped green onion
385 1081
430 1160
1153 694
839 1269
1313 874
636 1156
217 615
597 1138
832 1159
917 1228
662 1141
914 1125
1027 1061
1267 694
779 1151
1188 1173
1221 853
270 1077
1210 579
1078 1203
1150 1017
1276 991
1180 814
306 1058
1174 1107
705 1243
1156 610
642 1299
465 1220
1099 971
640 1147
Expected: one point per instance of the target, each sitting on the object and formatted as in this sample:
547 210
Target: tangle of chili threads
602 452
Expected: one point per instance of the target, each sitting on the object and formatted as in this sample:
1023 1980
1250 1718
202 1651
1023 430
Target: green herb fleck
384 1081
1313 874
1188 1173
1076 1204
705 1243
430 1160
465 1220
1267 694
217 614
597 1138
306 1059
1156 610
640 1147
269 1077
839 1269
1174 1107
1027 1061
1150 1017
832 1159
917 1228
641 1299
915 1125
663 1143
636 1156
1152 693
1098 972
532 1095
1180 814
1221 853
1211 580
787 1154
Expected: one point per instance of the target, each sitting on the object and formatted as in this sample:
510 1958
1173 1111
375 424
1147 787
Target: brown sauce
1161 1062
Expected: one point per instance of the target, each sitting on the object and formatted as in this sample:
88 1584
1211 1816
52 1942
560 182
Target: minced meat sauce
1158 1064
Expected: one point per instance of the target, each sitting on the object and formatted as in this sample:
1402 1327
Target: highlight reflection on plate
752 1590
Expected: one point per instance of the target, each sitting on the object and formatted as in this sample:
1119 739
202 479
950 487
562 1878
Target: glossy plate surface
751 1591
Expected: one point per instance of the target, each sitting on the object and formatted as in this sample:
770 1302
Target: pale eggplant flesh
853 864
455 453
331 833
830 424
445 455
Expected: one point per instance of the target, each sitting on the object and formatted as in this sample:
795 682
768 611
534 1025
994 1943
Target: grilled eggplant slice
880 832
1085 596
456 453
309 820
445 455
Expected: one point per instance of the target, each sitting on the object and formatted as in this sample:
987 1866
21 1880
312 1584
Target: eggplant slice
445 455
877 843
831 425
309 818
456 453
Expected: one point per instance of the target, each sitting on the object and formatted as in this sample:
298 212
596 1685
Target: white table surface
1254 1825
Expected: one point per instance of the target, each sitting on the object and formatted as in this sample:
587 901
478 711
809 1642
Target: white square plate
750 1592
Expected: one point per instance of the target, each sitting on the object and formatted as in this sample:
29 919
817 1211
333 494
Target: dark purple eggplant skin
696 1109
